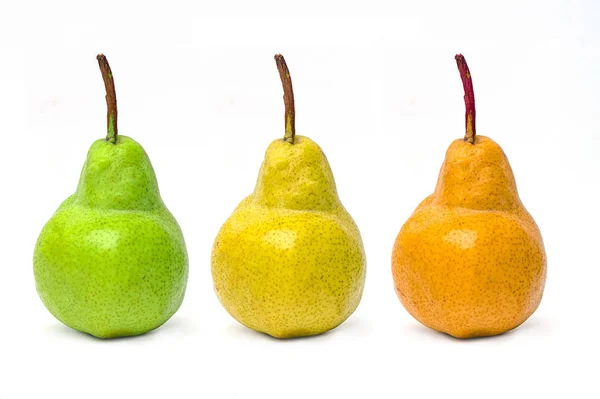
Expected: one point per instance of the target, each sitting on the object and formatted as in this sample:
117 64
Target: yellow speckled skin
290 261
470 261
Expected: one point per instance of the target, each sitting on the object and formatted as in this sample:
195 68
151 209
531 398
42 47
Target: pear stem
465 76
288 99
111 99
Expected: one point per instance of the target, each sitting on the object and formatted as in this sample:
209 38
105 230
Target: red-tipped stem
465 76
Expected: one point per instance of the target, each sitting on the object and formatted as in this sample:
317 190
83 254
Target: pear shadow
60 329
354 325
530 326
175 326
351 324
535 326
244 332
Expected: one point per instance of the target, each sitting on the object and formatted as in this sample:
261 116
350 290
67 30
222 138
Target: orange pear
470 260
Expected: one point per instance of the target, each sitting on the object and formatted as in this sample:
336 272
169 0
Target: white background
377 87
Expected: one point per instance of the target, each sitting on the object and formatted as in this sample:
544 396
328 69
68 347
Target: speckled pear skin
112 260
470 261
289 261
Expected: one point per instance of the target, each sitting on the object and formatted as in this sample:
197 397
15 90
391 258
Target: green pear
290 261
112 260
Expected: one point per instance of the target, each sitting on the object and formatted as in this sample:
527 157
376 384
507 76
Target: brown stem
467 82
288 99
111 99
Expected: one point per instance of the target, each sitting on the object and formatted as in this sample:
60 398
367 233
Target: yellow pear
290 261
470 261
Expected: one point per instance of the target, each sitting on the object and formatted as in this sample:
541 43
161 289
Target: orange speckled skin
470 260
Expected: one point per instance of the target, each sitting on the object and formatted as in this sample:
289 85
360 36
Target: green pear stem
288 99
111 99
465 76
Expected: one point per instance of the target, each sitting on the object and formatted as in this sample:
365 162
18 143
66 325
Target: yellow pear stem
465 76
288 99
111 99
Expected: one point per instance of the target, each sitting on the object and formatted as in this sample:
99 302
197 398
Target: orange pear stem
465 76
288 99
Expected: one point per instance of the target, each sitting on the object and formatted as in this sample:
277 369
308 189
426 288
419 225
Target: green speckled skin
112 260
290 261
